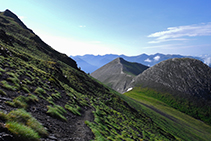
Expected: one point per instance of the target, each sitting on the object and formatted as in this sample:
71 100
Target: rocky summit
118 73
188 76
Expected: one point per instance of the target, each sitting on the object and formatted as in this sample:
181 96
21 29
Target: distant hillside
184 84
147 60
118 73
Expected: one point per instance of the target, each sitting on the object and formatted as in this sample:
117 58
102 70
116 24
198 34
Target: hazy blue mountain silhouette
89 63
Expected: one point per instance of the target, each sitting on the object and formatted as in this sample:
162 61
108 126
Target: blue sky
78 27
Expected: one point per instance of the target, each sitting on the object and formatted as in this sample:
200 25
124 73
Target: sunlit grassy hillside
175 122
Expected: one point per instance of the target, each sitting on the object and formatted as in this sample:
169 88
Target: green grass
23 125
75 109
22 132
175 122
2 92
56 95
40 91
22 101
7 86
57 112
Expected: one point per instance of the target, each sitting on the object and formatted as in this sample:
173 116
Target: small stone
52 137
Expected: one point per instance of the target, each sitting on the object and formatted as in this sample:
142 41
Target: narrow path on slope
82 132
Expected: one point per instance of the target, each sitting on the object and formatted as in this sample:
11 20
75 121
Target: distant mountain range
118 73
90 63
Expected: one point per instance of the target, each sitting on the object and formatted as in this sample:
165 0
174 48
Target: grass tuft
21 101
22 132
56 111
7 86
73 108
2 92
23 117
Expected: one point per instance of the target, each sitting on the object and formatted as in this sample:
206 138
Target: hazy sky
129 27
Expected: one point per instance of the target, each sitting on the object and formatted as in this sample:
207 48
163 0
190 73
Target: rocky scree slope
185 75
44 96
118 73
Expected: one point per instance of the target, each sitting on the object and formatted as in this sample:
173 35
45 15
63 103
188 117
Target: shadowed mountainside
118 73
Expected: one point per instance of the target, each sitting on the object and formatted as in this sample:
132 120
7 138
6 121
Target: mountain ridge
118 73
9 13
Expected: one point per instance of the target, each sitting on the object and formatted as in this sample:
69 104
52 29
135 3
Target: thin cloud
178 33
82 26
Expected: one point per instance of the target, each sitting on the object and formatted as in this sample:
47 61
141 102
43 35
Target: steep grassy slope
178 123
118 73
44 96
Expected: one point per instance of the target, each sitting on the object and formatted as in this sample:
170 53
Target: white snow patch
156 58
148 60
129 89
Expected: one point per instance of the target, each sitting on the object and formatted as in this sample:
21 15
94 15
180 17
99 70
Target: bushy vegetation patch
21 101
23 125
22 132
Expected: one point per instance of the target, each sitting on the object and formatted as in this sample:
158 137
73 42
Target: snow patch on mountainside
148 60
157 58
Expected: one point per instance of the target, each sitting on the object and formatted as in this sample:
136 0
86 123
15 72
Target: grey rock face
189 76
118 74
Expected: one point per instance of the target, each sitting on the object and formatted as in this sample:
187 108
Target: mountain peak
183 75
118 73
10 14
